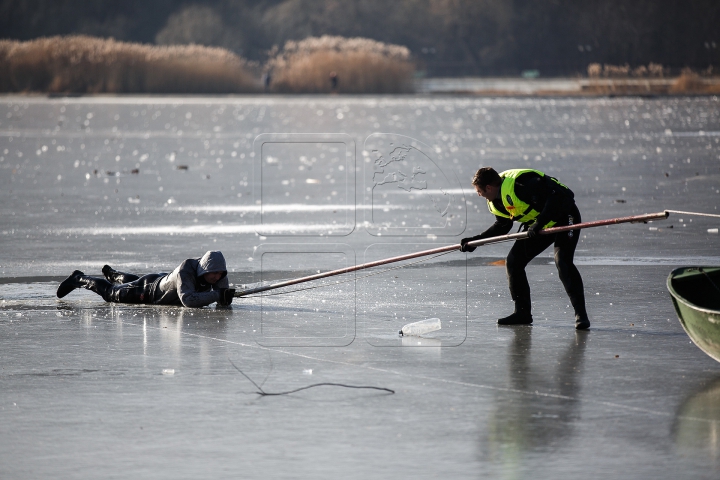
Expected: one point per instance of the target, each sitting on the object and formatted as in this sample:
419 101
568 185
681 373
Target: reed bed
652 79
359 65
83 64
652 70
691 82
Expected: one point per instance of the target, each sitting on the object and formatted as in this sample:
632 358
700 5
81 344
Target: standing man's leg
520 255
565 244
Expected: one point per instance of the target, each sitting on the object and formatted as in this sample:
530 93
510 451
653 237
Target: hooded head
212 262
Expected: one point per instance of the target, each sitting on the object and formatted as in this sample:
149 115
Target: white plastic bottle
421 327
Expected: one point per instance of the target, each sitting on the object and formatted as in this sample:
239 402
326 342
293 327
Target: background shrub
82 64
361 65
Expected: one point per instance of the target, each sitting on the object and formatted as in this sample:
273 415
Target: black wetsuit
129 288
555 203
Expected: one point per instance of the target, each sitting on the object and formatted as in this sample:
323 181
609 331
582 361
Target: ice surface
142 183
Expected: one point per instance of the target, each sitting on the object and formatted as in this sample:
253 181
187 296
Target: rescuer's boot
519 317
582 322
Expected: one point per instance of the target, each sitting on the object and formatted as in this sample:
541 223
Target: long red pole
501 238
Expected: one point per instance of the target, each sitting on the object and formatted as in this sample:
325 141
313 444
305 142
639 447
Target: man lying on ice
196 282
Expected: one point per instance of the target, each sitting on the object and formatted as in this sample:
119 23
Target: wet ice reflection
521 421
153 330
696 430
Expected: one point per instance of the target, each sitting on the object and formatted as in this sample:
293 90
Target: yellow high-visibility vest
518 210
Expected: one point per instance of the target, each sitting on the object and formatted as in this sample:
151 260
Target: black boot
576 294
70 283
79 280
98 285
114 276
519 317
109 273
582 322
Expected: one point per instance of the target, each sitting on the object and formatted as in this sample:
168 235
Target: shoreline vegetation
648 80
82 64
79 64
89 65
358 65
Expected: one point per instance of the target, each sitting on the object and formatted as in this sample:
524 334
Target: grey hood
186 285
212 261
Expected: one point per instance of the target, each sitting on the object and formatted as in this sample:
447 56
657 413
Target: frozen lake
289 186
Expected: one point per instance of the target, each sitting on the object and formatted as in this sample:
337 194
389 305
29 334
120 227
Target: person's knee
514 264
565 266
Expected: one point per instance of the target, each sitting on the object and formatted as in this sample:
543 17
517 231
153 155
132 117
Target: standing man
333 82
196 282
537 201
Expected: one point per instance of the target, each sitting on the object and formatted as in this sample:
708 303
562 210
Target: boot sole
518 321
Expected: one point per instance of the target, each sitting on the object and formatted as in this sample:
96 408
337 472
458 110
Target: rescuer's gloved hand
534 230
464 244
226 296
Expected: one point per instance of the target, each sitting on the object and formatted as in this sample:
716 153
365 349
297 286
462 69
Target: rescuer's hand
534 230
226 296
464 247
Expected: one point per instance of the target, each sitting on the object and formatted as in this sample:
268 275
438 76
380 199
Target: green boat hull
695 292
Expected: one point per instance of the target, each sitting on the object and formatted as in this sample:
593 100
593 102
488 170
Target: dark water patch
56 372
31 279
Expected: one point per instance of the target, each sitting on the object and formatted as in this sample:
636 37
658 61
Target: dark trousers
133 289
525 250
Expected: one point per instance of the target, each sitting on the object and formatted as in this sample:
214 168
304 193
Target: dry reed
361 65
650 80
595 70
82 64
692 83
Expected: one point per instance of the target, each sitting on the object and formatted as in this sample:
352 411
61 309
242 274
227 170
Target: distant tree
446 37
476 32
201 25
135 20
